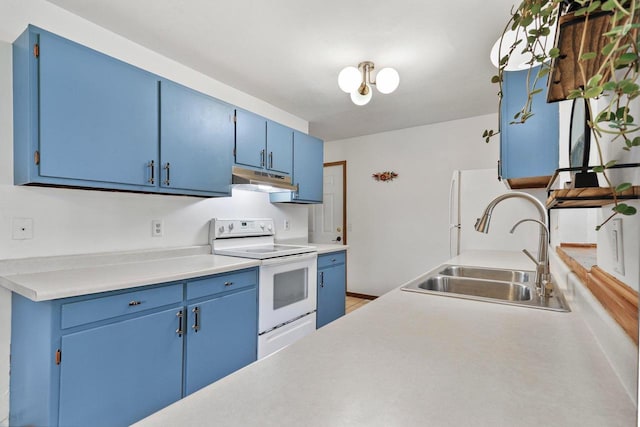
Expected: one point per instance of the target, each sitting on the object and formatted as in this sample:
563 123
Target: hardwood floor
354 303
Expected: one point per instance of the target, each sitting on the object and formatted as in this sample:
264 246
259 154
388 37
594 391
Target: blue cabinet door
279 148
197 136
119 373
529 149
98 116
307 167
331 293
251 139
222 337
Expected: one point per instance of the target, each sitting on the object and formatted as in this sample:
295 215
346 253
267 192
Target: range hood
248 179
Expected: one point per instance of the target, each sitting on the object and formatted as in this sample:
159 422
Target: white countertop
324 248
409 359
46 278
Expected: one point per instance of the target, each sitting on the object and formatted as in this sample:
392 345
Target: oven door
287 289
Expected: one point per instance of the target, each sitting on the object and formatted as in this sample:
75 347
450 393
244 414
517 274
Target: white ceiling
289 52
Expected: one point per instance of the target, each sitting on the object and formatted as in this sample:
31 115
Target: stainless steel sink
487 273
479 288
502 286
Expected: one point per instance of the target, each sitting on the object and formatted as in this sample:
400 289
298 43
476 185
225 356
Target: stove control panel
252 227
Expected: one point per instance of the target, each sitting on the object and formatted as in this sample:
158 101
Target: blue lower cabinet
331 287
110 375
113 358
221 337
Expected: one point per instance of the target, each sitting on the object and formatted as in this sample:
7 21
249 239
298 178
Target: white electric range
288 278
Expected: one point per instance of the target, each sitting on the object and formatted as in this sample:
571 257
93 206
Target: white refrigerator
470 192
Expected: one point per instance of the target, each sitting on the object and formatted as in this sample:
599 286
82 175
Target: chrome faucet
543 277
542 263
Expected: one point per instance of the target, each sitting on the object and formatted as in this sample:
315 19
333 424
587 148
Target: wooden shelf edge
528 182
590 197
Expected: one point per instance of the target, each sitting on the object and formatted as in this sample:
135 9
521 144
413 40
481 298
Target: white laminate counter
324 248
50 278
409 359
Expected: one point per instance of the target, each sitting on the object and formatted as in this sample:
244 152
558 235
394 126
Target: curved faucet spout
482 224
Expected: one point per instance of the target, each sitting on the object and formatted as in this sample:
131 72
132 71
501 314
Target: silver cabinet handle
179 331
271 160
196 323
152 174
132 303
262 153
167 167
322 279
228 283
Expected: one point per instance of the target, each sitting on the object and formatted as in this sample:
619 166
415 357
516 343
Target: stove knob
262 225
221 229
269 227
230 226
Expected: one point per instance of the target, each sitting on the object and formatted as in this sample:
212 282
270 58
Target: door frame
342 163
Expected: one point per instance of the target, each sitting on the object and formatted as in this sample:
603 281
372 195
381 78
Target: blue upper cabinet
85 119
196 145
81 118
528 152
308 155
251 139
262 144
279 148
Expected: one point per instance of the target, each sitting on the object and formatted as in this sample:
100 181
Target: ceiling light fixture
357 81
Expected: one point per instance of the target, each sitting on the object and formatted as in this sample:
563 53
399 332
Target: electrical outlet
616 242
157 228
287 224
22 228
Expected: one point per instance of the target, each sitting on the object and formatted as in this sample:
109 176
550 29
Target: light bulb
387 80
360 99
349 79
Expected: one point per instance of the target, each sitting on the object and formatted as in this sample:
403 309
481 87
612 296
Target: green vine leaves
614 81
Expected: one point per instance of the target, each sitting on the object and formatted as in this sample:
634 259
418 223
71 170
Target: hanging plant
603 62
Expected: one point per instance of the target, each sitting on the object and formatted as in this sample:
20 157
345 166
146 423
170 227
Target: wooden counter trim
579 245
574 265
618 299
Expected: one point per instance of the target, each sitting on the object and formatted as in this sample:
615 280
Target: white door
326 220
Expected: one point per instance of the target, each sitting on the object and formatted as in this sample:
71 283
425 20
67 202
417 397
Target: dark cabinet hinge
36 50
36 157
234 152
58 356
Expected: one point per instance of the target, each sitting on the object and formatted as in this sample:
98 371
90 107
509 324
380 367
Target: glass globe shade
517 60
387 80
349 79
359 99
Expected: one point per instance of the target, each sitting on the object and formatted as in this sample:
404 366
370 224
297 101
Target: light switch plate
617 246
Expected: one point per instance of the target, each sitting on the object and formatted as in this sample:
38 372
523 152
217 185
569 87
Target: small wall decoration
385 176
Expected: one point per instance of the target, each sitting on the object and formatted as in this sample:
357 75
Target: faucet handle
527 253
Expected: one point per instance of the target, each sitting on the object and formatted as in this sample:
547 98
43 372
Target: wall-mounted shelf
587 197
590 197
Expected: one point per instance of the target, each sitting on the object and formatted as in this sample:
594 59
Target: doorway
328 221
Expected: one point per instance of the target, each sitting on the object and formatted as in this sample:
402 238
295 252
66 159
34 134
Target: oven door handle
290 259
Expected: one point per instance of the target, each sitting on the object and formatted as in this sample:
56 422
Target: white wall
399 229
78 221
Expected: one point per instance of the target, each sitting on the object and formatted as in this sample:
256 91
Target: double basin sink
513 287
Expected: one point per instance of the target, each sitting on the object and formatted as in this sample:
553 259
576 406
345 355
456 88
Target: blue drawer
221 283
331 259
102 308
